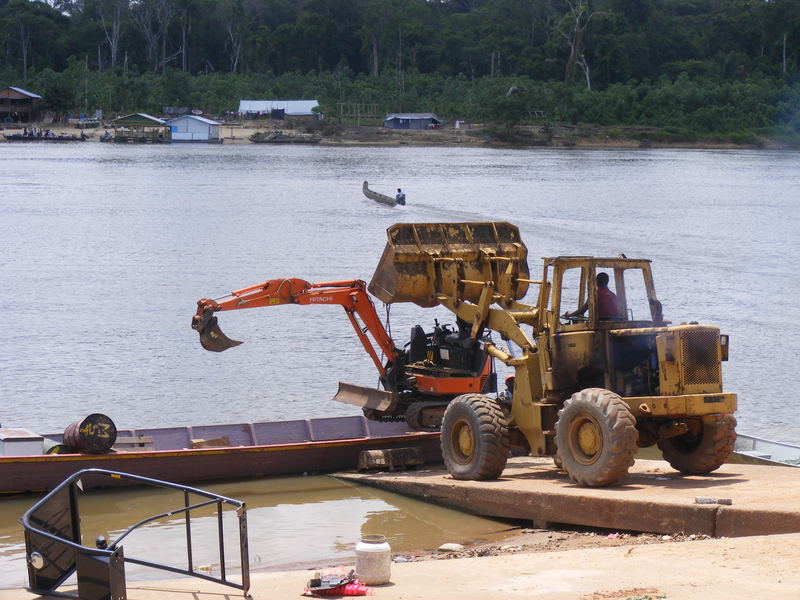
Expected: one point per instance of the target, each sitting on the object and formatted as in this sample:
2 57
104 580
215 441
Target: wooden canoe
18 137
222 452
388 200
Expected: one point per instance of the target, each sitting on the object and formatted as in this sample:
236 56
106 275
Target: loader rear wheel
595 437
474 438
704 448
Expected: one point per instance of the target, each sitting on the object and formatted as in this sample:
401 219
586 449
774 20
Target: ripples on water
104 251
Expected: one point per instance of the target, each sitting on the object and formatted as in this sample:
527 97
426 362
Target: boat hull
279 138
383 199
281 448
287 141
759 450
16 137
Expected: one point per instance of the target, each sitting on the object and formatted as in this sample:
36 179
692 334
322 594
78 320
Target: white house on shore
191 128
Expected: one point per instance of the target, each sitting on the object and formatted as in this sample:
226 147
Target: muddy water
293 523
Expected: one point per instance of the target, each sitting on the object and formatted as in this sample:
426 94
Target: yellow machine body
664 374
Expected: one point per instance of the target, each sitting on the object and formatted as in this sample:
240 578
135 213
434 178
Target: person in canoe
400 197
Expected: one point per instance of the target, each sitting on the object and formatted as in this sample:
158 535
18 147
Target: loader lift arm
350 295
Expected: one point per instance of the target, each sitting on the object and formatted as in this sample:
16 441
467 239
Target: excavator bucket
424 260
211 336
365 397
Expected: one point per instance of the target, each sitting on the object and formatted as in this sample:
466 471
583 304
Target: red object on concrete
354 588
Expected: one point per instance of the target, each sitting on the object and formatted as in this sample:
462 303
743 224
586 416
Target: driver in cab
607 302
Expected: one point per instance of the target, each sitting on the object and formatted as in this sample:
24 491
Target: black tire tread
622 438
492 447
714 447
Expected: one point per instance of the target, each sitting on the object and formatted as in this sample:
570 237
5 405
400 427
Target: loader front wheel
595 437
474 438
704 448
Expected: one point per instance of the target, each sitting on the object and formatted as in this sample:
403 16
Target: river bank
545 135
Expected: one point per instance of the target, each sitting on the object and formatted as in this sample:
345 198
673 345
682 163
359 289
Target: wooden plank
218 442
134 443
139 439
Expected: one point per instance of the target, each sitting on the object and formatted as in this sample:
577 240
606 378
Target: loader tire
595 437
704 450
474 438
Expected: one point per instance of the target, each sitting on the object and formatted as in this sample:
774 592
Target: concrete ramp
653 497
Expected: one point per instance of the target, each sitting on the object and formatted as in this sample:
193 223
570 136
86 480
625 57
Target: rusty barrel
423 260
93 435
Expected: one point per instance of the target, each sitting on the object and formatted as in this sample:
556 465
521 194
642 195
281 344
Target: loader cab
582 353
575 289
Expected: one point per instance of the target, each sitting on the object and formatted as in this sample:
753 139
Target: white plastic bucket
373 560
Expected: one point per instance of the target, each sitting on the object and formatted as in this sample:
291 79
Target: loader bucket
424 260
365 397
211 336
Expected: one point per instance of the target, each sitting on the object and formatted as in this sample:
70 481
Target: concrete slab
652 498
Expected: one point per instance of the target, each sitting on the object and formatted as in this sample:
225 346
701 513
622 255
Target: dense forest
704 65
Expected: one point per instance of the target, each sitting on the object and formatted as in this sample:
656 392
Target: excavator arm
351 295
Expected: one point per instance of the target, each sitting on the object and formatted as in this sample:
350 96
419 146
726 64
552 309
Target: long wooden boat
222 452
278 137
19 137
378 197
767 451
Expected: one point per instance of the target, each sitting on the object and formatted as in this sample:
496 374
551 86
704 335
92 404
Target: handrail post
221 540
188 532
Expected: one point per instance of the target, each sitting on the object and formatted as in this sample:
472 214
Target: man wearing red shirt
607 301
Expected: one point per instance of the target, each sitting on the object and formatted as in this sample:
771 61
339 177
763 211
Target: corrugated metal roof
411 116
295 108
196 118
139 119
26 93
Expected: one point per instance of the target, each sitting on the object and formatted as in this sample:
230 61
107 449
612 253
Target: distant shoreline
525 137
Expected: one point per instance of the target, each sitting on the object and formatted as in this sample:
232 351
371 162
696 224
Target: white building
191 128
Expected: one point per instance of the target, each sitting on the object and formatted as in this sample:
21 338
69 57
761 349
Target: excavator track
376 415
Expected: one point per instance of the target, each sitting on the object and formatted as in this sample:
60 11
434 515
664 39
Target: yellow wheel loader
598 372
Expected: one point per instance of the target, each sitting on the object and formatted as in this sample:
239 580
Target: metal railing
54 550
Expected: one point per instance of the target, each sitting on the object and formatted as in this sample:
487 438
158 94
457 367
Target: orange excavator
418 380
